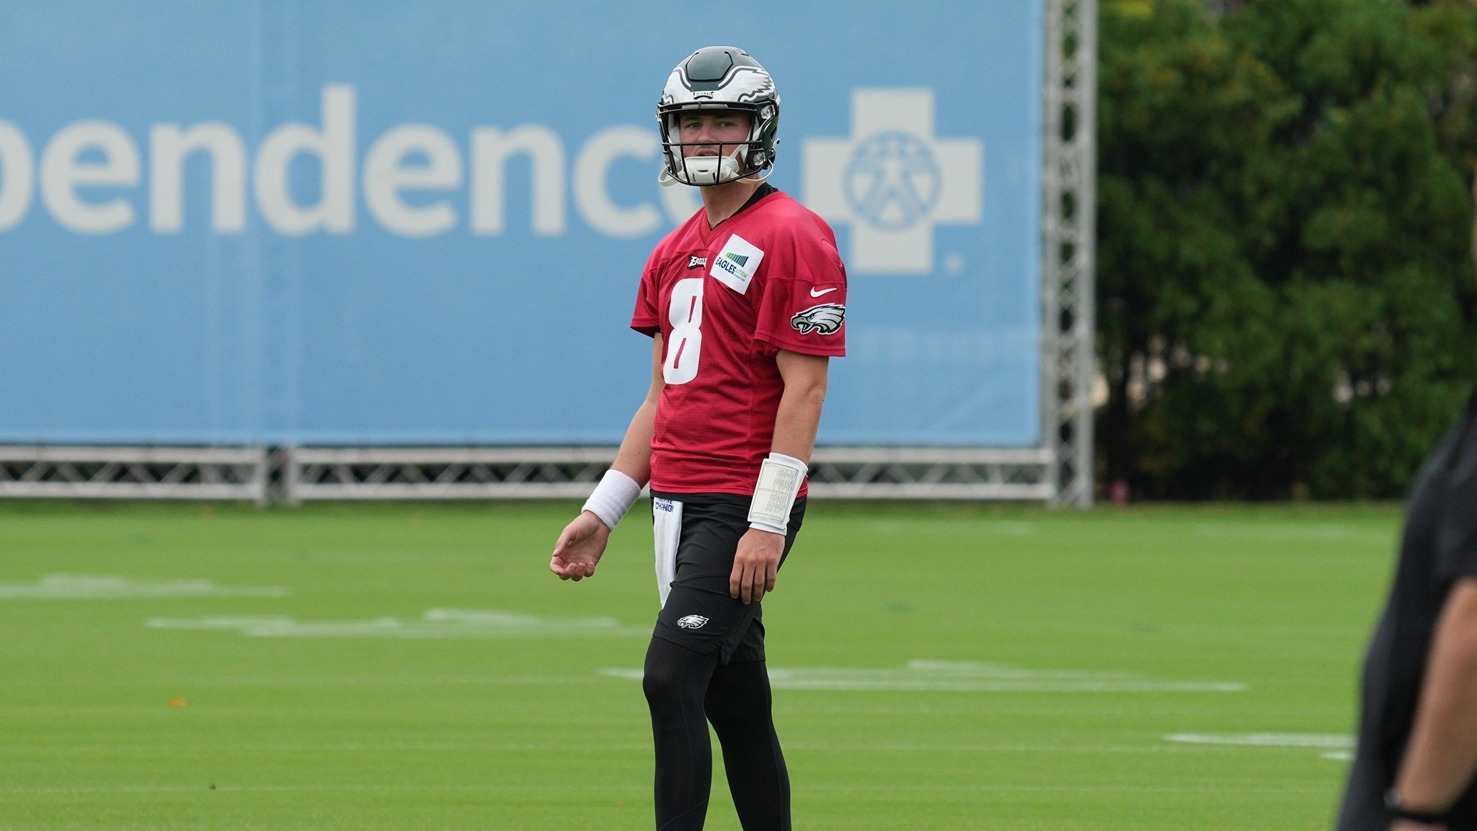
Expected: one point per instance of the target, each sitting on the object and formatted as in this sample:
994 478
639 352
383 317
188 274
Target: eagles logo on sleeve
824 319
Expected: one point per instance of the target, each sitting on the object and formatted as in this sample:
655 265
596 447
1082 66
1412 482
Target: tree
1284 264
1453 25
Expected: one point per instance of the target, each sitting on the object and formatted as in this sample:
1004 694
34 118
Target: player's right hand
579 547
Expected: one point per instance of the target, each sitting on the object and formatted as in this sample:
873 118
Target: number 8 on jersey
686 316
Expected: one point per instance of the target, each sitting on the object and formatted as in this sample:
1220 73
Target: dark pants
705 665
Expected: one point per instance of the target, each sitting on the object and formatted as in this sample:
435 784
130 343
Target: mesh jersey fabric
726 300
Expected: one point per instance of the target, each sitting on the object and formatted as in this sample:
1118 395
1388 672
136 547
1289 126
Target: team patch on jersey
696 262
736 264
824 319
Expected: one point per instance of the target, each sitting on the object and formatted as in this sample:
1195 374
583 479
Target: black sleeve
1456 533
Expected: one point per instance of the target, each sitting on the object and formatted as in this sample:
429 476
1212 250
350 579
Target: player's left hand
756 565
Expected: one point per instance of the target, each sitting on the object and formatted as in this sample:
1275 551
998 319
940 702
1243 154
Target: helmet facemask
718 78
751 156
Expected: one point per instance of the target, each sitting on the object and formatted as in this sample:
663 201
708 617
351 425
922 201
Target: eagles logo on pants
696 537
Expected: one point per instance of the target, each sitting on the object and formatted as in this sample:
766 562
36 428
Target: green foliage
1285 274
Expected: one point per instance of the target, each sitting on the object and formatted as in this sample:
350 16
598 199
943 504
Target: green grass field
417 667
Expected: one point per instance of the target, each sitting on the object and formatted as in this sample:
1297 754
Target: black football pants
686 691
705 665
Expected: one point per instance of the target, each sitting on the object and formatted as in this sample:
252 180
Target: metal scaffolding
91 472
1069 249
319 473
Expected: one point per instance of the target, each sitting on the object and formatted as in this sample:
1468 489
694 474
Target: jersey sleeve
804 304
645 318
1456 535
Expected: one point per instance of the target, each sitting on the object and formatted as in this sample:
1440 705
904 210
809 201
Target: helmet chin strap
706 170
711 170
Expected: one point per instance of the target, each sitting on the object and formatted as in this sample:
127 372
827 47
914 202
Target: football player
745 303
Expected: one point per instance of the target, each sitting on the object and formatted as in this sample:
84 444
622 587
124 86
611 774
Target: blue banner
330 222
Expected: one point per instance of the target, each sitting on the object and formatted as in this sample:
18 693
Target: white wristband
612 497
780 479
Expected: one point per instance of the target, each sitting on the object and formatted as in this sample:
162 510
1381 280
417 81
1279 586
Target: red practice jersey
726 300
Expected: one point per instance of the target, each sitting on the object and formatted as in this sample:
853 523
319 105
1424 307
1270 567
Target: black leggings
686 691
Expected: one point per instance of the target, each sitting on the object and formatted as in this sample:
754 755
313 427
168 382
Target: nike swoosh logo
819 292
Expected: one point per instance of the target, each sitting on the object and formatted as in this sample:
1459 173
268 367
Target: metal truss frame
1059 471
90 472
318 473
301 474
1069 246
343 473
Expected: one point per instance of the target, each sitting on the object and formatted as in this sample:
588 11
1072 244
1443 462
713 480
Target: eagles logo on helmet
719 78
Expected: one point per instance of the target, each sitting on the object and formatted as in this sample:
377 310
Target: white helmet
719 78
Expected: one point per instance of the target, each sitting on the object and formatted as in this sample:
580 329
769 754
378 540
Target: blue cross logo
893 181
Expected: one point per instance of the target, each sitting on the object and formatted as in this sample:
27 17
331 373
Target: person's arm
756 564
1441 756
581 544
634 456
799 415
